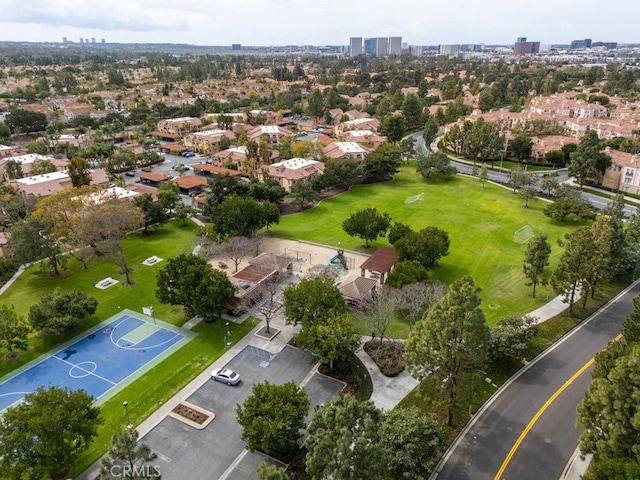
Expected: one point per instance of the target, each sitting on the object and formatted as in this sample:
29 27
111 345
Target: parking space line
233 465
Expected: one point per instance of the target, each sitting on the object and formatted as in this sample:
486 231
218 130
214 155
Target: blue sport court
101 361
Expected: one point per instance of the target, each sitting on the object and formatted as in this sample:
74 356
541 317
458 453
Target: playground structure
339 263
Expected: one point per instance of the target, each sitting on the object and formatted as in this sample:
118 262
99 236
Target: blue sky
318 22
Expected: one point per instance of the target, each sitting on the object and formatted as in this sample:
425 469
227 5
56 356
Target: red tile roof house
366 138
294 170
372 124
50 183
190 184
379 264
348 150
231 156
272 133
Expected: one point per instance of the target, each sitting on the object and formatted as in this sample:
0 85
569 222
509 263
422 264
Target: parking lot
215 451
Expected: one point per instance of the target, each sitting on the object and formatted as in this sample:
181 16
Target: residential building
624 172
179 126
366 138
50 183
586 43
235 156
349 150
206 141
355 46
365 123
190 184
271 133
294 170
395 45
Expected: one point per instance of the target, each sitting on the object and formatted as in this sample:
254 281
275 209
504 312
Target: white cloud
279 22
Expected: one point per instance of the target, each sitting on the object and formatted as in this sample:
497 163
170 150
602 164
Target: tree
555 158
380 310
31 241
484 141
535 259
5 133
394 127
44 435
609 411
303 193
413 442
14 330
367 224
60 311
518 178
153 212
406 272
236 248
105 221
383 162
435 164
574 266
427 246
312 301
343 441
430 130
484 174
451 340
42 167
270 472
272 417
79 172
569 205
169 195
528 194
25 121
412 111
408 147
13 170
522 147
182 212
583 160
510 337
332 339
243 217
190 281
127 457
631 325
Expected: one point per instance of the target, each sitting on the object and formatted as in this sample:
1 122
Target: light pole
126 409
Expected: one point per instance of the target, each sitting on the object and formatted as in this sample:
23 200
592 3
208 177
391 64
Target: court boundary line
73 365
126 381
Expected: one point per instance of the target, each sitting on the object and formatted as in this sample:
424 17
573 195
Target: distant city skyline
320 22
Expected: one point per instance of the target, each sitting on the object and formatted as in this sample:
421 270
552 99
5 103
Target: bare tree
380 310
270 306
416 299
236 249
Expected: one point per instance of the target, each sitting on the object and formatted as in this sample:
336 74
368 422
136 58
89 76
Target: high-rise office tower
355 46
382 46
395 45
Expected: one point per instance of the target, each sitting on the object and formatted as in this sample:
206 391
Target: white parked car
225 375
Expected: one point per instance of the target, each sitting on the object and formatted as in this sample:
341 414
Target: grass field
480 221
166 241
163 381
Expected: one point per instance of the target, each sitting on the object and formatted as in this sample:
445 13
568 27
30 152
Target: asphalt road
541 398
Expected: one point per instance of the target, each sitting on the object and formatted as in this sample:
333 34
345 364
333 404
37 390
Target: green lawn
166 241
164 380
480 221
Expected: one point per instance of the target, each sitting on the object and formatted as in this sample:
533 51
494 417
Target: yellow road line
539 413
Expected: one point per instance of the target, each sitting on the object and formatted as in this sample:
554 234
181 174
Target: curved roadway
496 176
527 430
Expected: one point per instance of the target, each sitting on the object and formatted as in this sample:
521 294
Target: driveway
217 450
